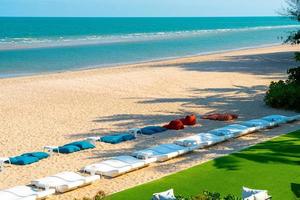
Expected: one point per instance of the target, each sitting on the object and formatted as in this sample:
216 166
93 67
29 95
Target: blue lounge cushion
127 137
117 138
67 149
23 160
150 130
82 145
39 155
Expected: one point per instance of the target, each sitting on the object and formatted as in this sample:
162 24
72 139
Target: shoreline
127 64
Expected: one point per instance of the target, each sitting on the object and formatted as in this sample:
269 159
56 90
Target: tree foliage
293 11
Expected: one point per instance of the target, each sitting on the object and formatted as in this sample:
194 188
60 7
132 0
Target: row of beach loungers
119 165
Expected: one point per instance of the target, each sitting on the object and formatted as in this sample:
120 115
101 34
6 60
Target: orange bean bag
220 117
189 120
175 125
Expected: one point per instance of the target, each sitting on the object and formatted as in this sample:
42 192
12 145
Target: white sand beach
54 109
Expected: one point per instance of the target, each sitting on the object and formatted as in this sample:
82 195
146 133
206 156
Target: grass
273 165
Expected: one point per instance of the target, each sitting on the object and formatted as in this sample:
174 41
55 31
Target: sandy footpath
54 109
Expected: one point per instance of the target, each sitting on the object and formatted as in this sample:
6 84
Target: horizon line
143 16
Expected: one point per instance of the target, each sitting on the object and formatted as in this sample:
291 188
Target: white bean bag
64 181
24 193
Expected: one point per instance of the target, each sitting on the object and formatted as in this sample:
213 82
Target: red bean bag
189 120
175 125
220 117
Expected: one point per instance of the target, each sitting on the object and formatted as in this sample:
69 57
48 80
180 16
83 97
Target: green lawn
273 165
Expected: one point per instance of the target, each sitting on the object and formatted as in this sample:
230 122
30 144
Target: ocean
43 45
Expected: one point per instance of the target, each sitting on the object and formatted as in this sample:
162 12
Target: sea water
41 45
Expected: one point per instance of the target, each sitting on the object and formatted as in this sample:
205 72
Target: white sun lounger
200 140
281 119
163 152
212 139
24 193
294 118
277 119
64 181
2 161
234 130
117 166
259 124
252 194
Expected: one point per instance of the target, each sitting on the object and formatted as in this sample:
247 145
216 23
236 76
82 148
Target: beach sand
54 109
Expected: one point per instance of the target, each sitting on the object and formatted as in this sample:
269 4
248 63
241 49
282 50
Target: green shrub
209 196
285 94
297 56
99 196
294 75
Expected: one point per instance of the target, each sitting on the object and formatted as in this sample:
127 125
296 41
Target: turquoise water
39 45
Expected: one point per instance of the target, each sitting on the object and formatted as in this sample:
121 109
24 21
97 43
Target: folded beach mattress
117 138
28 158
200 140
117 166
279 119
233 130
150 130
163 152
259 124
75 146
24 193
64 181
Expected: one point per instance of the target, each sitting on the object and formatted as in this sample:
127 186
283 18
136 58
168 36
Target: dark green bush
285 94
297 56
294 75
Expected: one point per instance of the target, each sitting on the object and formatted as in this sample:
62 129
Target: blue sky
150 8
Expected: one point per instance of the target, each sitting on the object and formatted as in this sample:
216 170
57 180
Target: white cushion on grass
64 181
167 195
254 194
